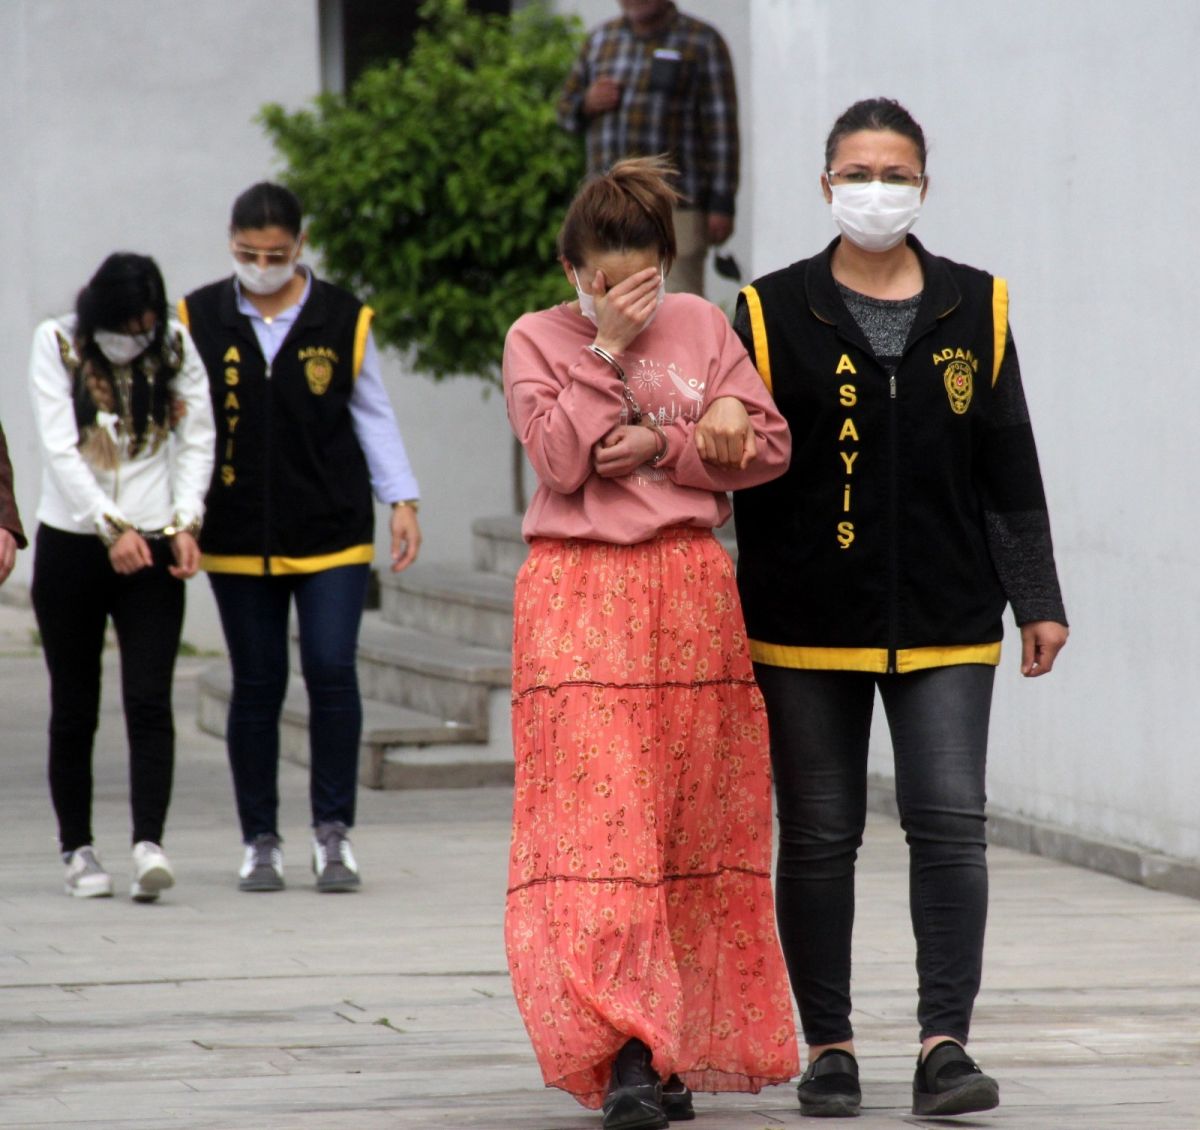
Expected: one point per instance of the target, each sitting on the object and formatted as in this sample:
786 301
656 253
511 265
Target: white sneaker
86 877
151 872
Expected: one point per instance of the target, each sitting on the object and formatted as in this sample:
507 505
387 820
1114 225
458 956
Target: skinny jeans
75 591
820 724
254 615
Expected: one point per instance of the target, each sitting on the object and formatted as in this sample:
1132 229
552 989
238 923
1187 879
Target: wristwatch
178 527
414 504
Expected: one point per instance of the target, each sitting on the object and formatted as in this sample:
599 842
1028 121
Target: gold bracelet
113 529
413 504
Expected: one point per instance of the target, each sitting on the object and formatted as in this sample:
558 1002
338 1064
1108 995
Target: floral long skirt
639 900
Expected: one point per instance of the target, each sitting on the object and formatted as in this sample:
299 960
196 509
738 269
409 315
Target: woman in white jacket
122 409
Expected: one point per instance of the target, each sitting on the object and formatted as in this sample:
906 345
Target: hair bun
626 208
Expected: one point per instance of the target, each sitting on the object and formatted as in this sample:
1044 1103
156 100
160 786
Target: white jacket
152 489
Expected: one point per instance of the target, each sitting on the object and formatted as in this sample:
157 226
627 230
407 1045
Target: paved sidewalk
391 1008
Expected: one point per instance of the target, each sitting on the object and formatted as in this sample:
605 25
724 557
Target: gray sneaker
262 867
333 859
85 877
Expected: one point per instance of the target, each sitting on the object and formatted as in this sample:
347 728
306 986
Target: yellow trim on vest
758 333
873 660
999 325
355 555
184 316
922 658
254 566
360 337
820 658
227 563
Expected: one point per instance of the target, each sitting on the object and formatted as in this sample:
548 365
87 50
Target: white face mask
587 302
659 298
120 349
264 280
875 216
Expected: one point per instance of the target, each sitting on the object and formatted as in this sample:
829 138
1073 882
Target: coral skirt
639 900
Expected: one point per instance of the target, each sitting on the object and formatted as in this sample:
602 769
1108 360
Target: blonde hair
627 208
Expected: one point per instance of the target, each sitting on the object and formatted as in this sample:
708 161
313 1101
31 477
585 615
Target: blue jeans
254 615
820 724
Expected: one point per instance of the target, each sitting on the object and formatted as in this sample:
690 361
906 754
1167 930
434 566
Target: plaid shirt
687 109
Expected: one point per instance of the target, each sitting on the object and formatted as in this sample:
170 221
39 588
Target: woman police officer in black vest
305 434
883 559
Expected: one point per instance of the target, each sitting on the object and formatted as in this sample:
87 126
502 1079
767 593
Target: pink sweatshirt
563 399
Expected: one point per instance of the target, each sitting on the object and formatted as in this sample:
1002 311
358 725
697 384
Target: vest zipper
894 499
267 473
893 524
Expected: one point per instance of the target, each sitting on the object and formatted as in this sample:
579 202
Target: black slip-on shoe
948 1081
634 1097
829 1087
677 1100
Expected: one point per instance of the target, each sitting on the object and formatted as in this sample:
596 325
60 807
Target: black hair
876 114
124 288
267 205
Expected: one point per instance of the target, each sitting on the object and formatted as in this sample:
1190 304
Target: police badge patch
318 371
959 385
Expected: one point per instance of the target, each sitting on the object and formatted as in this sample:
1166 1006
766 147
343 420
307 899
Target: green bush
434 189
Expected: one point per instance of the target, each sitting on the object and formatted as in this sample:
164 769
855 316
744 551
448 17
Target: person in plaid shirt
654 81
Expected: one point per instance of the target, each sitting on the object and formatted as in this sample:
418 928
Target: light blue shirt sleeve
378 433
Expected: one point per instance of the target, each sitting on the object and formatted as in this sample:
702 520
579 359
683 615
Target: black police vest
870 552
290 491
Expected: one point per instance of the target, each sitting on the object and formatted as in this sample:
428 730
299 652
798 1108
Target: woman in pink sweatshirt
640 924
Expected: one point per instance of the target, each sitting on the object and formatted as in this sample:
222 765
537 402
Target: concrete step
447 766
497 545
432 674
449 600
391 734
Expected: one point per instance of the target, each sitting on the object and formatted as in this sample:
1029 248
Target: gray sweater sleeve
1014 507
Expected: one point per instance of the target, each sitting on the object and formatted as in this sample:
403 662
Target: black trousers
75 591
820 724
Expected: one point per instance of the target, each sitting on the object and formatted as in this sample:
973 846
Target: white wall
1064 157
129 125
